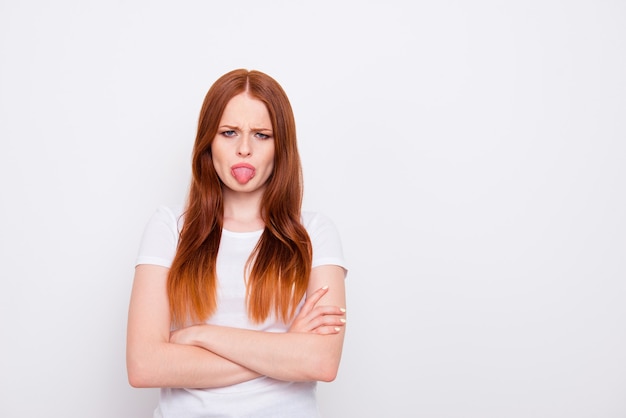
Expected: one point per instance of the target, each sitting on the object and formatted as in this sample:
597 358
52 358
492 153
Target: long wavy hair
278 269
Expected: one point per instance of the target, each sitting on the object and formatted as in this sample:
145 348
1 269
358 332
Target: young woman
238 301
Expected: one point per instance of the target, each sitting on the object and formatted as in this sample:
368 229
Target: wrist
199 335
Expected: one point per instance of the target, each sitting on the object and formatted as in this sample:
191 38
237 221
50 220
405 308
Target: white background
472 155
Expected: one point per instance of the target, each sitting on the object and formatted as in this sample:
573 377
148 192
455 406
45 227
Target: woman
238 300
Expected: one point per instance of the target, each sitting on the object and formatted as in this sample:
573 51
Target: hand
322 320
183 335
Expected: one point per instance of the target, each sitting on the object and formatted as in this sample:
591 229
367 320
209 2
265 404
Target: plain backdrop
471 153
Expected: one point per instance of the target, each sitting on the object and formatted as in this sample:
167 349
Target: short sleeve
325 239
159 239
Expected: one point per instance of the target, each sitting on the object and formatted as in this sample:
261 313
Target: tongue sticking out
243 174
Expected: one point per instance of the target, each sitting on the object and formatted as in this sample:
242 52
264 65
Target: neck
242 211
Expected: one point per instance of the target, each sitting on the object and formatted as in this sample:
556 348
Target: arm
311 350
152 360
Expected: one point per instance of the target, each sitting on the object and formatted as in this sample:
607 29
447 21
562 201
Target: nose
244 149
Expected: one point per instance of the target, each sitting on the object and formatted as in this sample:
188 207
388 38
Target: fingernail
337 329
342 309
325 287
342 320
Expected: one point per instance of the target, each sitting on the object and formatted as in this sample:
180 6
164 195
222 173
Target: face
243 148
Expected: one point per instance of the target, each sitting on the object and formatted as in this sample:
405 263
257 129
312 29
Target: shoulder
166 222
172 216
319 225
160 236
325 239
312 220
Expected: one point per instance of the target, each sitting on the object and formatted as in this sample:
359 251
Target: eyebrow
253 129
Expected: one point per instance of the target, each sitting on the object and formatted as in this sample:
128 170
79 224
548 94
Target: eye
229 133
262 135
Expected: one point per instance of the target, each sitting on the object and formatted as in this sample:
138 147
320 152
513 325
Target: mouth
243 173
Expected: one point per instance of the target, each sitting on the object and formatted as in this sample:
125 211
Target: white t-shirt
264 396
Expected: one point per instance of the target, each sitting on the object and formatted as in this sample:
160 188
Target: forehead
244 110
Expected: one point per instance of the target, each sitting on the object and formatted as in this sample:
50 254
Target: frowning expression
243 148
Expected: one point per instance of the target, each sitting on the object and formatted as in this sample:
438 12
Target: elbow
327 377
136 378
144 365
325 369
323 366
139 374
134 382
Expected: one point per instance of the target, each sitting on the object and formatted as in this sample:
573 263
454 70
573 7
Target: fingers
323 319
312 299
327 320
328 330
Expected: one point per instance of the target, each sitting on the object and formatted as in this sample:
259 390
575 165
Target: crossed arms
208 356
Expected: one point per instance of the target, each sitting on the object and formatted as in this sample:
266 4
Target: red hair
280 265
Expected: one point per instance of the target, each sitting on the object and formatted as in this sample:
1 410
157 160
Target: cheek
216 154
271 155
270 162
